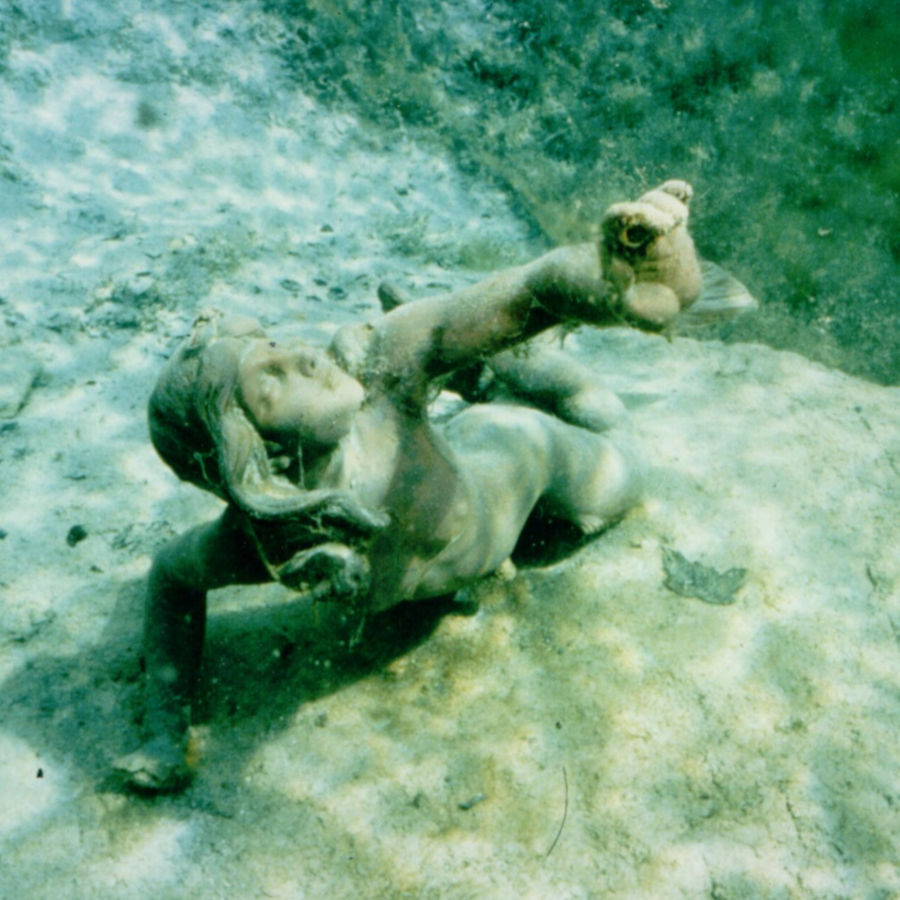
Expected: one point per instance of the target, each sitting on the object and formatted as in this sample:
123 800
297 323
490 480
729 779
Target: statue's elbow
174 569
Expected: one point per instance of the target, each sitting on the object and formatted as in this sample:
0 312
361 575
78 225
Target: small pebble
473 801
76 535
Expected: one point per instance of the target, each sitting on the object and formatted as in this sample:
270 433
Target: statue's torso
396 460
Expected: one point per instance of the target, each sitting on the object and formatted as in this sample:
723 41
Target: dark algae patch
783 116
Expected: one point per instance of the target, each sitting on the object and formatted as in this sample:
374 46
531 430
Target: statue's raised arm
643 271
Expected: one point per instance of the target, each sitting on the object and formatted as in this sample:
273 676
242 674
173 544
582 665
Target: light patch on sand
136 356
826 881
26 797
112 104
762 715
768 863
766 527
194 107
629 657
288 200
162 25
141 465
85 260
686 868
69 408
154 857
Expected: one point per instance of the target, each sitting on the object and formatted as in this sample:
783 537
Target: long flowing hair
197 423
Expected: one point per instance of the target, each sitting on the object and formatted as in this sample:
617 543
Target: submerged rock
692 579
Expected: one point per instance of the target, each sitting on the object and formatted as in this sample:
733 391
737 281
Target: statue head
199 426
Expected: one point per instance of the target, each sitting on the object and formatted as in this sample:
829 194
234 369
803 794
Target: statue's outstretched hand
648 256
332 571
342 507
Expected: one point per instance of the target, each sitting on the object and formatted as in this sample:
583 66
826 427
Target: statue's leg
517 460
596 478
544 374
204 558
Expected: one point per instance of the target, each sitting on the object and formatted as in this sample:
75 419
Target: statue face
293 390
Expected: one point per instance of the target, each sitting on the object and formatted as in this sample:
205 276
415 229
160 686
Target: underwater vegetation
783 115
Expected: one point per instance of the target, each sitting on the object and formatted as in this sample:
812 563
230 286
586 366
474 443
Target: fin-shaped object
721 296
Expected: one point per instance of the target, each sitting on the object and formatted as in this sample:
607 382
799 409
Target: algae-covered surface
585 731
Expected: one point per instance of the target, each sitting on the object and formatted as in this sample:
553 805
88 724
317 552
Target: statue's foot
630 228
160 766
633 226
677 188
648 255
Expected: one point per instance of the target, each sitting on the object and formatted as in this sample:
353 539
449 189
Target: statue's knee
622 479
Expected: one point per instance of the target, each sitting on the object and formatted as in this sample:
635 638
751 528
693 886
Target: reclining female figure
334 477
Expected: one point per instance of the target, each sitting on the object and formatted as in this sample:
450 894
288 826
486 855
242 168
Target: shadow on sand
80 711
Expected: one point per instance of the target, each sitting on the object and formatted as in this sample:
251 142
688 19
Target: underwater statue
337 481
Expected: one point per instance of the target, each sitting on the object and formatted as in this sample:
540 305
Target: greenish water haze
784 116
701 701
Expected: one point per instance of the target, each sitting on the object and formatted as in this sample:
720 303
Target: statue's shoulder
350 347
